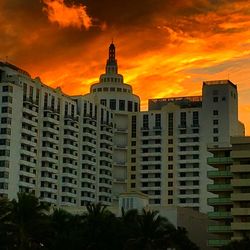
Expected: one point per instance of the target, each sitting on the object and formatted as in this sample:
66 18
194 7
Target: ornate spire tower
111 66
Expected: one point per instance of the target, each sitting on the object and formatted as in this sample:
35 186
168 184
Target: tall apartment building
172 144
91 148
49 142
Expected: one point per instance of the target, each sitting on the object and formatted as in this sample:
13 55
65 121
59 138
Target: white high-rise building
173 137
52 145
71 150
112 92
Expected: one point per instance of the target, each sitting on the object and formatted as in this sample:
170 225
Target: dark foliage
25 224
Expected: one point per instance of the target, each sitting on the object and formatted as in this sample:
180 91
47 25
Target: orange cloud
66 16
159 54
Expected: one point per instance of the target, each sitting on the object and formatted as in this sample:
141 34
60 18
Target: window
132 176
5 131
215 122
195 118
6 120
216 130
145 121
215 112
112 104
216 139
183 119
7 89
103 102
170 184
157 120
4 142
170 141
122 105
170 166
7 110
4 152
215 99
170 158
133 151
133 168
6 99
170 201
223 98
132 185
170 175
170 150
135 107
170 123
170 192
130 106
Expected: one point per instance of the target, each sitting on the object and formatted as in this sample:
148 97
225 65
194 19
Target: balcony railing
219 201
219 160
219 228
219 187
214 174
219 215
218 243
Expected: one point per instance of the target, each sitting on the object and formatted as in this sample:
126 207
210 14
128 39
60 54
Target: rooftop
11 66
183 102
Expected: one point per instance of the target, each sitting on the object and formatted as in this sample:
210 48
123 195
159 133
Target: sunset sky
164 48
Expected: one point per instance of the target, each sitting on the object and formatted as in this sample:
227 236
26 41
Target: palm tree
152 230
5 210
66 230
100 228
26 223
181 241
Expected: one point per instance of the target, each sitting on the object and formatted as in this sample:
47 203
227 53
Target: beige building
231 176
241 187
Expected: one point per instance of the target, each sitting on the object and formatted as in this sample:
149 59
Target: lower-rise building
231 185
241 187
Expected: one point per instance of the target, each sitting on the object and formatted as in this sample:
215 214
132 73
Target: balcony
240 211
218 243
240 154
219 160
240 168
219 201
219 229
219 187
219 174
240 182
219 215
240 196
242 226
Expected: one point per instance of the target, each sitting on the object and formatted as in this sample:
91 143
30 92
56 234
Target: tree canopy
26 224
